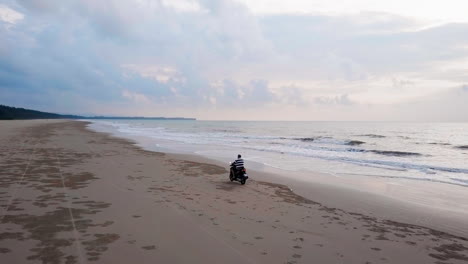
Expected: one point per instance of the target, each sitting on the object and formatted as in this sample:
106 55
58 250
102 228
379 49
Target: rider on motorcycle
238 164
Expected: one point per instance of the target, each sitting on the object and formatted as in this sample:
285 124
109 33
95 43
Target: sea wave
354 142
464 147
307 139
395 153
227 130
439 143
464 181
386 164
328 140
372 136
324 143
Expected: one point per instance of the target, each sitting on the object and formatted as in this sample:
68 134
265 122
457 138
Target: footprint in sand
299 239
4 250
152 247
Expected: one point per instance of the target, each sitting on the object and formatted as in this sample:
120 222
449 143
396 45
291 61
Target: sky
360 60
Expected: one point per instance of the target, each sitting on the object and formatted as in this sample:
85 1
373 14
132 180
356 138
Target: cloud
334 100
135 97
159 73
401 84
373 47
291 95
192 55
229 93
9 15
448 105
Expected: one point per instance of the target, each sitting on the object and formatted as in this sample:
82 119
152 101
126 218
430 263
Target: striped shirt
239 163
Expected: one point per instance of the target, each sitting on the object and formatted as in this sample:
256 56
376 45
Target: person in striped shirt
239 163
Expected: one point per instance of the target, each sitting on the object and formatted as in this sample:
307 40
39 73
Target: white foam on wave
314 153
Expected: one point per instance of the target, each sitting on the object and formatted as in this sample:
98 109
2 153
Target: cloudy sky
238 59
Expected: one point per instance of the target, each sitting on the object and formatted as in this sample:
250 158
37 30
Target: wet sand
69 195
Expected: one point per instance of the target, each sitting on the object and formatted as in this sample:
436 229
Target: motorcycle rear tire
243 182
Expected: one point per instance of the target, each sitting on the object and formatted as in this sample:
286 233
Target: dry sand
69 195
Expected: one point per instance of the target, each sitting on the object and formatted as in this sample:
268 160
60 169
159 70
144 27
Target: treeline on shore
16 113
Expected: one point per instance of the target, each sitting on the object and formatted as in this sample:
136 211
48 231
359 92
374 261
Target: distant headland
15 113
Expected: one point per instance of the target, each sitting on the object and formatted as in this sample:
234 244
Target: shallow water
435 152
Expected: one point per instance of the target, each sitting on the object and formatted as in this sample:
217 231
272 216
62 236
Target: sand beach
71 195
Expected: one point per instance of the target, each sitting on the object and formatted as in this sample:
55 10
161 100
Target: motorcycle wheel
243 181
230 177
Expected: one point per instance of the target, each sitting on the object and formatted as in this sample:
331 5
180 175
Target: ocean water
435 152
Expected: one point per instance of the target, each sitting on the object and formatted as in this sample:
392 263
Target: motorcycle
238 175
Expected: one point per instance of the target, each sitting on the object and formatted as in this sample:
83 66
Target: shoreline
407 200
326 152
75 194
